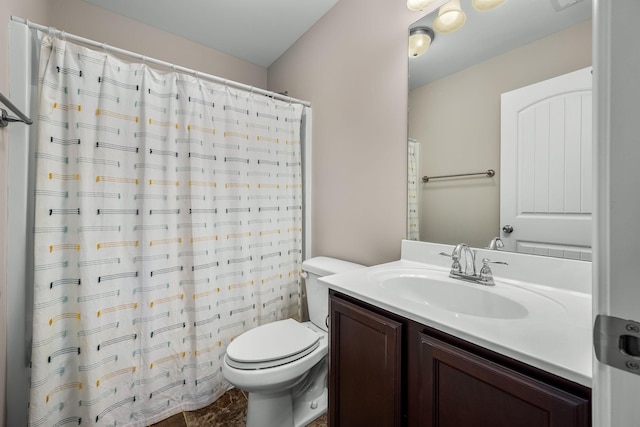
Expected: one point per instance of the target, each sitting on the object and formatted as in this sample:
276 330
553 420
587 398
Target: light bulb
450 17
483 5
418 4
419 41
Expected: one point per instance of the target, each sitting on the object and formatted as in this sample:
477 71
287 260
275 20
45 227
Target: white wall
36 10
457 121
352 66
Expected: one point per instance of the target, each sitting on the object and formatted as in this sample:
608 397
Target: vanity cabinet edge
460 388
366 385
428 348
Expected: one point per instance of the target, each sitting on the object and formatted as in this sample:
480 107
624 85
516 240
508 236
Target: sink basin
434 288
457 297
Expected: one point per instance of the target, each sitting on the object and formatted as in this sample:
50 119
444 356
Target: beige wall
457 121
352 66
90 21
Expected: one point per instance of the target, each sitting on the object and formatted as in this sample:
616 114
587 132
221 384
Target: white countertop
555 336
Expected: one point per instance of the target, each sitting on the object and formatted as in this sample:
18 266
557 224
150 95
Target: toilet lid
271 345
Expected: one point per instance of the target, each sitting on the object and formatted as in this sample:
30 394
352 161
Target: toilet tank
317 292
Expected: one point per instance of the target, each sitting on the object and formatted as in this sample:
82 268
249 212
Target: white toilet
283 365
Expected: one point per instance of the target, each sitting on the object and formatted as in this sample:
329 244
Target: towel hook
5 119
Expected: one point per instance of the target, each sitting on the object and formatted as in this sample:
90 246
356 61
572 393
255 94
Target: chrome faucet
463 255
461 252
496 243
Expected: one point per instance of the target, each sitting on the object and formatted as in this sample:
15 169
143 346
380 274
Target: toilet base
270 410
292 407
310 401
278 410
306 411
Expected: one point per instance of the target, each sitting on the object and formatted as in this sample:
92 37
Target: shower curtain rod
144 58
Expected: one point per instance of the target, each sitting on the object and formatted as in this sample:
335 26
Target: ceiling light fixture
483 5
420 39
450 17
418 4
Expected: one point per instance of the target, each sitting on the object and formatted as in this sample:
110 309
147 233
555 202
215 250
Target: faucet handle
488 261
455 265
456 268
486 275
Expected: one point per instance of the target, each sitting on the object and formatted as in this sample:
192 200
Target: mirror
454 108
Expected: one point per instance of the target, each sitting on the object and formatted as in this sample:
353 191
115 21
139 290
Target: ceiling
486 34
258 31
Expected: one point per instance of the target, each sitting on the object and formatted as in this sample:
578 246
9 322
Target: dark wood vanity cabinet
457 388
364 368
389 371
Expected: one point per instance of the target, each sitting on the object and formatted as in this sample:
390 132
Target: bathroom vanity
387 370
401 358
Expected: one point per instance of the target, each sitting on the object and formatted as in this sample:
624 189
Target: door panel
546 155
559 251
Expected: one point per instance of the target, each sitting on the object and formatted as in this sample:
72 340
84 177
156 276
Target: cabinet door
364 367
459 389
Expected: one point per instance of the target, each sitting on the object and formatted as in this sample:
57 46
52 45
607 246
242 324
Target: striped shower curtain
168 221
413 219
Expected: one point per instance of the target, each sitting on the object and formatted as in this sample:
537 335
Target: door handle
508 229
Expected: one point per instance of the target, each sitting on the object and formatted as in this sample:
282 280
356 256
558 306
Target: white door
616 293
546 167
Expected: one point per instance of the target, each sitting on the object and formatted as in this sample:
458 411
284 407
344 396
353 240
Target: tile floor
228 411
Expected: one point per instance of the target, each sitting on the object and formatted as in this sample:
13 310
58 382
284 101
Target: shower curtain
413 221
168 221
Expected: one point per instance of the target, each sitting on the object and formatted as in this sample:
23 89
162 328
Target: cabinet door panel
365 367
459 389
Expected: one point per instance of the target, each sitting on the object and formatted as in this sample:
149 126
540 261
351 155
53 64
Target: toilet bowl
283 364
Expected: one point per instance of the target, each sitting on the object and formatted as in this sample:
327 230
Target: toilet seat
272 344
